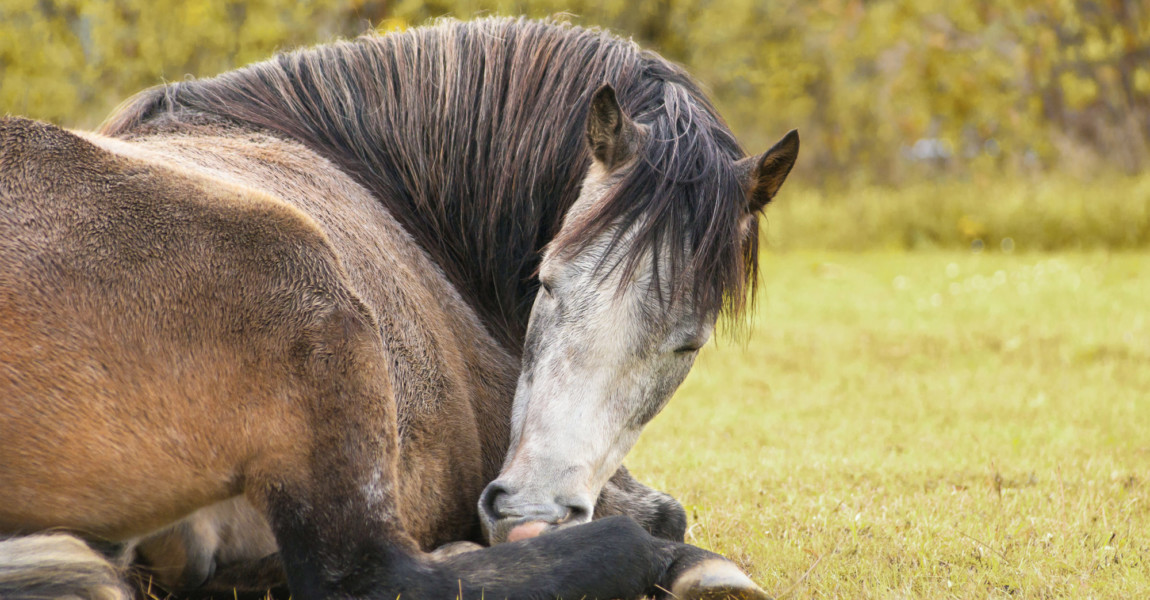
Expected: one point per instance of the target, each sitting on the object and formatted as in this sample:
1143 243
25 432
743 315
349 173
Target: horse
366 299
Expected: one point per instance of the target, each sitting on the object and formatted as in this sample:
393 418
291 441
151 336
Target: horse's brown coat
167 249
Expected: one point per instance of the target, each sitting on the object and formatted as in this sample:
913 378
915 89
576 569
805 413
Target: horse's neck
484 233
481 190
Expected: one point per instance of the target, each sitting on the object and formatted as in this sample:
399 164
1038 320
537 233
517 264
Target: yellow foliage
1142 81
1078 91
1040 81
71 61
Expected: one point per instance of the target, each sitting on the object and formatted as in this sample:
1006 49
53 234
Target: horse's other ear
610 134
767 171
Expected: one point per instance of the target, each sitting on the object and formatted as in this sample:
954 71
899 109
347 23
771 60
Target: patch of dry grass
927 425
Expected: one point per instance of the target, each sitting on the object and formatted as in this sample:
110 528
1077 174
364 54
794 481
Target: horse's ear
767 171
610 133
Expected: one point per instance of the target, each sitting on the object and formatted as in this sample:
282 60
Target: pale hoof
716 580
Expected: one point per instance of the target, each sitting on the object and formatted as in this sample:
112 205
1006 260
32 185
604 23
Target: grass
924 425
1054 212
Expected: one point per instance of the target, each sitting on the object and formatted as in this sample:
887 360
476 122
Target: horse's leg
656 511
256 579
228 546
595 560
181 556
695 574
218 548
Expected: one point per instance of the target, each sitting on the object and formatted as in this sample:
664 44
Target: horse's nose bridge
549 512
503 500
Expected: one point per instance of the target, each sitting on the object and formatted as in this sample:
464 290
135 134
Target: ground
924 425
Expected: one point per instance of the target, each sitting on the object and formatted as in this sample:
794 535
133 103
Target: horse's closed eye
688 348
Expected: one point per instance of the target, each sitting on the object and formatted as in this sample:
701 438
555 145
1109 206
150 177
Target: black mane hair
473 135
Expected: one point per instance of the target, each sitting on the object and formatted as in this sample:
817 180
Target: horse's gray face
602 357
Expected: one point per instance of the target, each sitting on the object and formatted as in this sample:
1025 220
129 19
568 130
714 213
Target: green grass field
924 425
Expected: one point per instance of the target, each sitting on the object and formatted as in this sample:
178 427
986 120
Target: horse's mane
473 136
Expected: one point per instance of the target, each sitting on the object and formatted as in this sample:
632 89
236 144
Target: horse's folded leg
656 511
608 558
695 573
700 575
605 559
346 555
258 576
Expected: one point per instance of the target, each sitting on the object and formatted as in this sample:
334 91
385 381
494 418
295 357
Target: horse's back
149 324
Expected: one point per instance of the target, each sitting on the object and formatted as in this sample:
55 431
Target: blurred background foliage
928 122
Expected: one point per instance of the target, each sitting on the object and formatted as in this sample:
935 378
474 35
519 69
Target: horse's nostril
578 511
489 500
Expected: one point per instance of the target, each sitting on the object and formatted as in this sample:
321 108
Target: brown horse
292 305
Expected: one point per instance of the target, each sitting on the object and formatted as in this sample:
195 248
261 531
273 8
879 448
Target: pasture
939 424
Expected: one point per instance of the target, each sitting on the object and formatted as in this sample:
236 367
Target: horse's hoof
716 580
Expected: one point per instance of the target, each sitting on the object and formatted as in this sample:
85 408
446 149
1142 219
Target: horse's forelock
682 186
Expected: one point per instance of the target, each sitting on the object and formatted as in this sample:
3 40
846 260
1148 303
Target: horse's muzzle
508 516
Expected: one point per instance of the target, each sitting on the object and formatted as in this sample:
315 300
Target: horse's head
662 239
